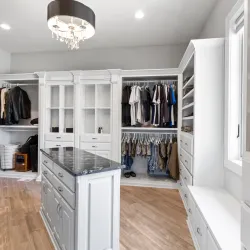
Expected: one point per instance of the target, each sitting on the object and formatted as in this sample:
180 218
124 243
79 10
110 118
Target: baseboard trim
196 245
53 240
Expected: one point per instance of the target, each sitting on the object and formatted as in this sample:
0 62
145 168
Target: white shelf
88 108
53 108
188 106
189 94
189 83
148 129
68 108
188 118
19 127
103 108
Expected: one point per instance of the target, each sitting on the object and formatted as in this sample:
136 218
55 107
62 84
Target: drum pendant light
71 22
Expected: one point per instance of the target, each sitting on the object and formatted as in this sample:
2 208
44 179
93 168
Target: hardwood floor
150 219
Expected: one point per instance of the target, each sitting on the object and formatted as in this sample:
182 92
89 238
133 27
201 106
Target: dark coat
18 106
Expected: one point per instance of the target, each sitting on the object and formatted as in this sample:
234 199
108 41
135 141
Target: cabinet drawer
245 225
95 146
47 162
59 137
200 230
186 176
187 143
65 177
95 138
50 144
192 211
64 191
47 173
187 160
184 193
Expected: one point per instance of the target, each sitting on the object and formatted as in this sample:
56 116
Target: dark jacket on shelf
18 106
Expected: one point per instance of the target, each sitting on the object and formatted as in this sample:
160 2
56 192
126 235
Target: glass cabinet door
60 109
95 108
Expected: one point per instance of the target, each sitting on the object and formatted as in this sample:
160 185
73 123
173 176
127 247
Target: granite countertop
78 162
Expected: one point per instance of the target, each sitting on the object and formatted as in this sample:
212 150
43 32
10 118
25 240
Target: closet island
80 199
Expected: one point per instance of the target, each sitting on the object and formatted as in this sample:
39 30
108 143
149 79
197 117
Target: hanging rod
19 84
152 133
148 81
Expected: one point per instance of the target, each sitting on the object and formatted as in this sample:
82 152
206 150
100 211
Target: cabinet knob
180 183
181 141
59 137
94 138
186 144
199 231
181 155
45 172
186 161
60 189
185 178
190 211
186 196
58 145
45 162
94 146
60 175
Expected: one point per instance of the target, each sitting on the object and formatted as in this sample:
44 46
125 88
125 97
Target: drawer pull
94 138
59 137
186 144
199 231
94 146
181 140
186 161
180 183
180 155
186 196
45 172
58 145
185 178
60 189
190 211
60 175
45 162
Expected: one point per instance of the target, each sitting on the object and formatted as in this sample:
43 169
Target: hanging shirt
126 116
138 104
132 106
3 102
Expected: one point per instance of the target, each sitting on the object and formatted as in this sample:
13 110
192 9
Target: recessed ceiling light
5 26
139 14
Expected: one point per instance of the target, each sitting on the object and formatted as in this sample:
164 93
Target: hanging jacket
173 164
126 116
18 106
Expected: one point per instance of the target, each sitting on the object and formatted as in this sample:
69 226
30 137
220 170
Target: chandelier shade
71 22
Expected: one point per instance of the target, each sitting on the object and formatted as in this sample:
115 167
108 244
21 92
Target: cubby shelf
189 94
188 106
189 83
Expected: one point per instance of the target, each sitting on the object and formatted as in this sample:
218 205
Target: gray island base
80 199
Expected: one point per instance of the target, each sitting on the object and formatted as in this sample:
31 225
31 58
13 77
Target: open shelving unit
188 90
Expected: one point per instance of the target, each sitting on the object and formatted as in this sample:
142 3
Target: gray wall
4 62
215 25
152 57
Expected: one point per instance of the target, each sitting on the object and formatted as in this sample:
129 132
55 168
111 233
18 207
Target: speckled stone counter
78 162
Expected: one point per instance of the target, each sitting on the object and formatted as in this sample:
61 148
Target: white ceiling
165 22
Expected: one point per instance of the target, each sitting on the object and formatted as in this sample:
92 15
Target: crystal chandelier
71 22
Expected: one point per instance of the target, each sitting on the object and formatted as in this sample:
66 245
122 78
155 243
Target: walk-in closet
125 125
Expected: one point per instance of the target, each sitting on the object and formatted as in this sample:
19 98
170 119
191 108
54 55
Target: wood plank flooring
151 219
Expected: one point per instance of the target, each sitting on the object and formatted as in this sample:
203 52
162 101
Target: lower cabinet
59 214
56 144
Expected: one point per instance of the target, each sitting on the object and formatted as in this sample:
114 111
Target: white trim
230 164
234 166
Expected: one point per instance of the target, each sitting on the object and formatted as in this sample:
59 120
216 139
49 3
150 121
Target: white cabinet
211 245
67 217
201 230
